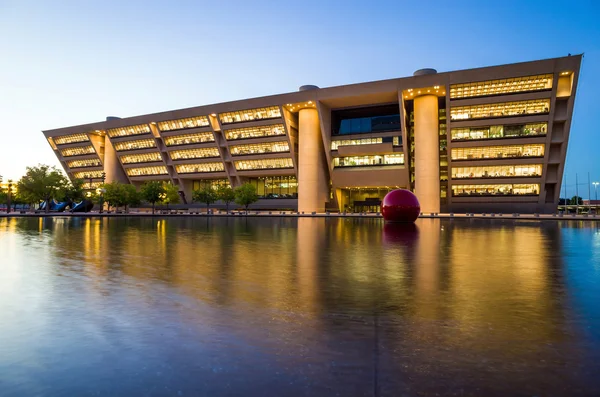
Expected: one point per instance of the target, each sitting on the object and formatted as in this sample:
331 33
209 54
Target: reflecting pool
298 307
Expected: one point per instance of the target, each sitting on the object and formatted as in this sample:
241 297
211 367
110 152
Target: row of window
127 131
73 138
194 153
503 86
146 171
189 139
505 109
199 168
275 187
263 164
497 171
181 124
499 131
141 158
133 145
92 186
77 151
260 148
364 141
95 174
361 161
213 183
493 152
84 163
362 125
270 112
255 132
495 190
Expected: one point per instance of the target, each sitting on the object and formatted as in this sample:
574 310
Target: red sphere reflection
400 205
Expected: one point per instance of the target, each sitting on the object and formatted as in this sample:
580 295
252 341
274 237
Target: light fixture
419 92
436 86
153 122
309 102
213 114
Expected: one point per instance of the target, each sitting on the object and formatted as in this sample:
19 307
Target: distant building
486 139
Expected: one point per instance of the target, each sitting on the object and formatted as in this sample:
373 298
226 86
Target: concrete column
427 153
112 167
312 181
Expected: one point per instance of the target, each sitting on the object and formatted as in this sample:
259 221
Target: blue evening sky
65 63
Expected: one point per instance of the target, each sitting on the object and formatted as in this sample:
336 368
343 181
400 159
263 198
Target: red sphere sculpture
400 205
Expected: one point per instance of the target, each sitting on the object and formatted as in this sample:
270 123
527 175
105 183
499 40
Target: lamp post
596 193
102 191
8 196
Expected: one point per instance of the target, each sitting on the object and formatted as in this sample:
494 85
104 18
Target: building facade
490 139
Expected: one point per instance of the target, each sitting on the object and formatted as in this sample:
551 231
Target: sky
65 63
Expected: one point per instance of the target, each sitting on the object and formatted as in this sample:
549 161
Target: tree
245 195
576 200
205 194
152 192
41 183
225 194
115 194
132 196
73 191
171 194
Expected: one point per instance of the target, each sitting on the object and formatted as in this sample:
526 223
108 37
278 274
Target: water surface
298 307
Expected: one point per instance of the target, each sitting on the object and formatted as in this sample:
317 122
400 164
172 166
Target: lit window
134 145
77 151
84 163
74 138
260 148
497 152
504 86
141 158
194 153
213 183
498 171
189 139
499 131
254 132
128 131
199 168
263 164
88 174
92 186
250 115
182 124
275 187
366 161
147 171
495 190
506 109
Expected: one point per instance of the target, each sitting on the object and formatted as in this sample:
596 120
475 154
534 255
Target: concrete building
481 140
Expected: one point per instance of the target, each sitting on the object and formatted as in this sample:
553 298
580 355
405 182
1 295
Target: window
213 183
245 165
181 124
365 120
495 190
133 145
74 138
255 132
506 109
241 116
504 86
365 161
92 186
276 187
495 152
189 139
84 163
147 171
352 142
199 168
497 171
499 131
260 148
141 158
194 153
88 174
77 151
127 131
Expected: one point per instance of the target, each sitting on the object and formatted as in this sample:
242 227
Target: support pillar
312 180
427 153
112 167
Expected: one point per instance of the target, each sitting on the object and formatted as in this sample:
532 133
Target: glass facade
73 138
89 174
189 139
147 171
495 190
195 153
128 131
141 158
506 109
497 152
499 131
245 165
241 116
276 187
365 161
134 145
497 171
84 163
503 86
368 119
182 124
255 132
259 148
77 151
213 183
352 142
199 168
